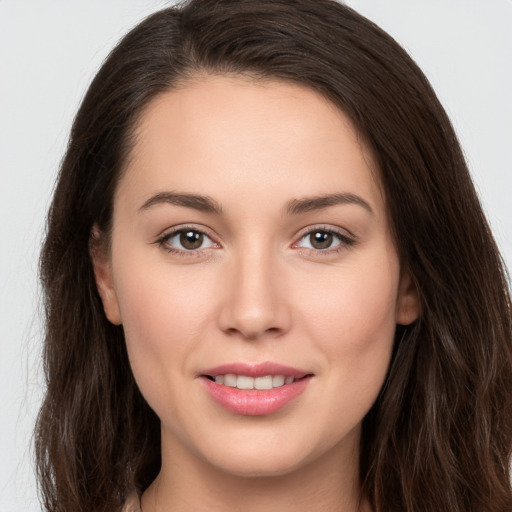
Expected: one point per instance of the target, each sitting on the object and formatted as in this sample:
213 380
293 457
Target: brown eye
324 241
186 240
321 239
191 239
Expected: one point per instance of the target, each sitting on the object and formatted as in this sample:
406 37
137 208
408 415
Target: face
251 249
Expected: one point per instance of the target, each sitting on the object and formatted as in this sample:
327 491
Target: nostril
252 333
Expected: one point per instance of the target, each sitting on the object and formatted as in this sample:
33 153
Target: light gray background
49 51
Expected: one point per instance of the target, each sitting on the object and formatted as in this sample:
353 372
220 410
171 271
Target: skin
258 289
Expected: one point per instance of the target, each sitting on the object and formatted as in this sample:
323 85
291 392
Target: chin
250 468
257 461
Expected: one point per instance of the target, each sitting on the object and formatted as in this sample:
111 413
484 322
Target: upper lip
255 370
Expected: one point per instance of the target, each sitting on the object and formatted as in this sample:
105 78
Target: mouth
254 389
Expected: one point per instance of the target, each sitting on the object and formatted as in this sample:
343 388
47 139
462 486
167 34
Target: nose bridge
253 303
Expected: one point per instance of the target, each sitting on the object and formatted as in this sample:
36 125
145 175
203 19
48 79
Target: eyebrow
197 202
294 207
307 204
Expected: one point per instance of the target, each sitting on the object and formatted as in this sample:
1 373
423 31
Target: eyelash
344 241
164 239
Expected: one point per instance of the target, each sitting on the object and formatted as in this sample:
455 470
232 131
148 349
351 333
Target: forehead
254 137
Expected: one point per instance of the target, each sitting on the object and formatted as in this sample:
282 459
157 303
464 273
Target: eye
186 240
324 240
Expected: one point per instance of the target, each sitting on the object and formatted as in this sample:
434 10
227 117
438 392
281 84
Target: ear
408 303
103 276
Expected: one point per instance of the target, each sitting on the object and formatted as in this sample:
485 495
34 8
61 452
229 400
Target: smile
254 390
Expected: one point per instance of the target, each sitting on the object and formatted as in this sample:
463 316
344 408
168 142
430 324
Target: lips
257 389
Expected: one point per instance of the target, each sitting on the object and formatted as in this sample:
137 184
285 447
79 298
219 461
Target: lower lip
254 402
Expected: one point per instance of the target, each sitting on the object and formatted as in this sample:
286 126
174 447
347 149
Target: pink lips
254 402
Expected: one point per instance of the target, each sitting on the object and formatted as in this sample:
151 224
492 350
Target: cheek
353 325
355 310
157 299
353 321
164 313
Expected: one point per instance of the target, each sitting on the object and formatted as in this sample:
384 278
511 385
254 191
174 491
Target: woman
269 282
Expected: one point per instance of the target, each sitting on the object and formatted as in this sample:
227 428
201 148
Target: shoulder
132 504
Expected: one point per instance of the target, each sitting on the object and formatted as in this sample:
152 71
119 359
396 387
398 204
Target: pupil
191 239
321 239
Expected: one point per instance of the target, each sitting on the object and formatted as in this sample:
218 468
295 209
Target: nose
255 303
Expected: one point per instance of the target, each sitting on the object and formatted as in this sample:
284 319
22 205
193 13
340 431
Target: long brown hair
439 437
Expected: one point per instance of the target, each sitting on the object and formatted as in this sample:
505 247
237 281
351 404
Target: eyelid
184 227
345 237
343 232
168 233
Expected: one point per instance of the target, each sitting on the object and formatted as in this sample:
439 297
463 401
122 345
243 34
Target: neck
329 483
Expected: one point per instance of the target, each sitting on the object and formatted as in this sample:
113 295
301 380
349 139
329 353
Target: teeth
277 381
263 382
243 382
230 380
246 382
